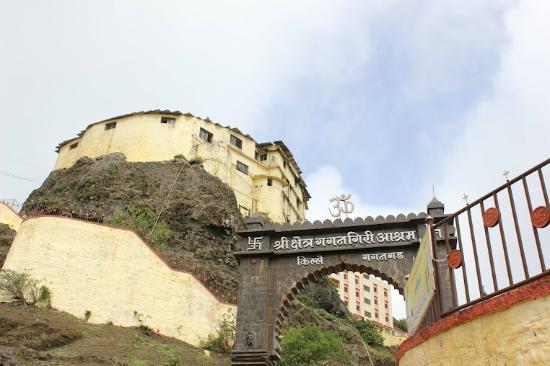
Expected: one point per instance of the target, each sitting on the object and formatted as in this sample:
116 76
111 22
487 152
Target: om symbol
342 205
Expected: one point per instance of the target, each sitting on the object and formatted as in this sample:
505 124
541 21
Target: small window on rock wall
234 140
73 146
270 181
110 125
243 168
168 120
206 135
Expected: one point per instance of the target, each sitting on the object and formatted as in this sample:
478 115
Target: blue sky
381 99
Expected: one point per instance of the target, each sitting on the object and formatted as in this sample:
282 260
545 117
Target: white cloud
509 128
327 182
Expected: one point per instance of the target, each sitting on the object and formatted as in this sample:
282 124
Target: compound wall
512 329
9 217
115 275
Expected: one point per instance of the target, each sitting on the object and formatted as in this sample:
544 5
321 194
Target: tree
370 334
312 345
400 323
20 285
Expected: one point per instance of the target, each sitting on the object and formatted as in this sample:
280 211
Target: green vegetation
6 238
317 306
313 345
400 323
142 220
21 286
370 334
196 160
224 339
179 157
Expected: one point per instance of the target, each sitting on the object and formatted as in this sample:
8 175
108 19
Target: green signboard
420 286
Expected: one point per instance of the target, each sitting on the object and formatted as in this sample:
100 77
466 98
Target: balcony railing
494 244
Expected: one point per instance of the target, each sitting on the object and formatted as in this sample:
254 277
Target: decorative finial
433 190
506 172
465 198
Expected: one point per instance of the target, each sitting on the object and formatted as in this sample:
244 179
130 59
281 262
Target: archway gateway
277 261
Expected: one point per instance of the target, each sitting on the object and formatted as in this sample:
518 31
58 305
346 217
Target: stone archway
276 262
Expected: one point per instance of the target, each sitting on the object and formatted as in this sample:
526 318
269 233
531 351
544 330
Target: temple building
264 176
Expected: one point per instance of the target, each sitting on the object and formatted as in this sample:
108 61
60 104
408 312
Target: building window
357 307
385 292
261 157
298 203
375 288
345 288
346 302
345 276
368 314
234 140
367 301
205 135
376 314
110 125
387 319
270 181
375 300
386 304
243 168
73 146
356 280
366 288
170 120
356 293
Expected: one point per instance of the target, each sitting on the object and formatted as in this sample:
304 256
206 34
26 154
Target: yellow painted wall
393 339
516 336
112 273
9 217
142 137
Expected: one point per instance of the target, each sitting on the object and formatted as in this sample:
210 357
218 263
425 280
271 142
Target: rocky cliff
198 212
6 237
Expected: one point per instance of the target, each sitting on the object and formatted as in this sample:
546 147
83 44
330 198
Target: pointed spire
435 207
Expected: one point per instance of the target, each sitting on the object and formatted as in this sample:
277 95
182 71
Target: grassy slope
40 336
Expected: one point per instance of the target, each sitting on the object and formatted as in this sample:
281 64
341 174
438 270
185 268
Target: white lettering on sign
383 256
255 243
351 238
303 261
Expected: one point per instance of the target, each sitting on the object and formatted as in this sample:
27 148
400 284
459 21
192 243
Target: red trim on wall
141 239
529 291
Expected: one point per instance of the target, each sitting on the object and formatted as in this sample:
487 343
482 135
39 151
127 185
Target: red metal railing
494 244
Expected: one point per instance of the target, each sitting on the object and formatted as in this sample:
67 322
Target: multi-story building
264 176
366 297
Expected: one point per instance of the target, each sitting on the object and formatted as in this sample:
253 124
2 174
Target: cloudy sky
381 99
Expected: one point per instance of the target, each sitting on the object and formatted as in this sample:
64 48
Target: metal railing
494 244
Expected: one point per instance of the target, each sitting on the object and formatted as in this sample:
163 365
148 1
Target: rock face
6 237
199 212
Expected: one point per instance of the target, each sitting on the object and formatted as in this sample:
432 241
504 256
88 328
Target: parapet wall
9 217
511 329
115 275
